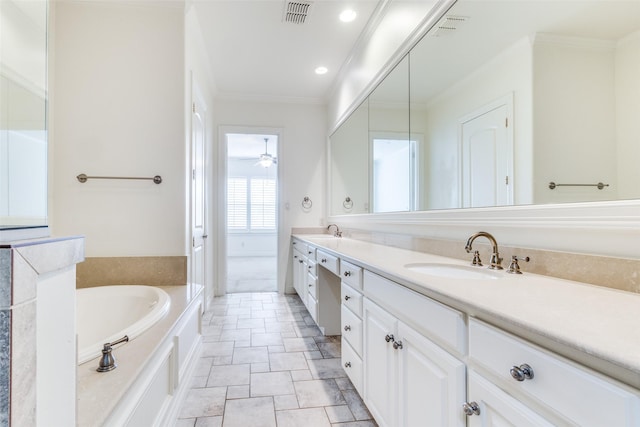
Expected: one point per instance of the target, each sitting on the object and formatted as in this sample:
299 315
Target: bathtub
107 313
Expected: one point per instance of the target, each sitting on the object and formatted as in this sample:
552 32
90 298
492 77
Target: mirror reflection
23 131
507 98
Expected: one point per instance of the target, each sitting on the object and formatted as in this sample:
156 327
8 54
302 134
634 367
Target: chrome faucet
337 233
495 256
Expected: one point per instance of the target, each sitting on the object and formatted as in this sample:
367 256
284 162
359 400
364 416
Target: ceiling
255 54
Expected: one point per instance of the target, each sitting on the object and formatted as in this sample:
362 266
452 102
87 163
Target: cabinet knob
471 408
522 372
347 365
397 345
347 273
310 285
295 256
347 328
347 297
300 261
389 338
310 252
323 260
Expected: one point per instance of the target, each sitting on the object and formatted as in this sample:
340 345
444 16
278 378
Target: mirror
23 125
541 108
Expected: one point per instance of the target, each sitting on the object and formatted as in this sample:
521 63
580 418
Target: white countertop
596 326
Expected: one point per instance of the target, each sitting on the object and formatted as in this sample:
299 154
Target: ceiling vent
447 25
296 12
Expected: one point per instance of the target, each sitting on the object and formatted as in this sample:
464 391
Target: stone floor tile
303 375
276 349
235 335
271 384
339 414
329 349
281 327
313 417
288 401
287 361
246 311
326 368
250 323
198 382
203 367
368 423
299 344
259 367
253 412
307 331
263 314
318 393
226 375
273 338
345 384
222 360
209 422
250 355
242 343
311 355
203 402
357 406
238 392
185 422
217 349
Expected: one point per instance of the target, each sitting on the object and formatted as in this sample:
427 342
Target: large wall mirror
23 105
501 103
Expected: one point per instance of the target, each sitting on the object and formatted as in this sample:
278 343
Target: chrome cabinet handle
347 328
522 372
397 345
389 338
347 297
347 365
471 408
347 273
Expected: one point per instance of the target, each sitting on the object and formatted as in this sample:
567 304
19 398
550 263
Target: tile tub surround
593 325
265 363
610 272
154 271
21 263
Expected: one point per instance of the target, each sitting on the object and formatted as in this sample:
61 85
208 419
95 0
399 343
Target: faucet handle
476 259
514 267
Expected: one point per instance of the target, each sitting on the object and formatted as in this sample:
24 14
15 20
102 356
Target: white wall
301 162
119 111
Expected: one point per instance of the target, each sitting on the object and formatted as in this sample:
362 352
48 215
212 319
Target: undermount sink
454 271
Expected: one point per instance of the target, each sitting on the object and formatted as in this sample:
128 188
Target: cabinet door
432 386
380 373
495 408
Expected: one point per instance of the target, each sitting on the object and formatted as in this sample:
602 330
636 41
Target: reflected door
487 161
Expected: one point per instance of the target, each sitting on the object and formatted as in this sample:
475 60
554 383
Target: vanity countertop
593 325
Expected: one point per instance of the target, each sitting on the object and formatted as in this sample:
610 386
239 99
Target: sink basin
454 271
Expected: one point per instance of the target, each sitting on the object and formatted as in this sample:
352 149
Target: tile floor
265 363
252 274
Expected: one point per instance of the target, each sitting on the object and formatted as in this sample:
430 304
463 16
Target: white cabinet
409 380
298 262
558 389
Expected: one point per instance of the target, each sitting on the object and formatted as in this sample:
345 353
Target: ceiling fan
266 159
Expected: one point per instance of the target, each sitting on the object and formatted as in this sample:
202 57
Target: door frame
221 240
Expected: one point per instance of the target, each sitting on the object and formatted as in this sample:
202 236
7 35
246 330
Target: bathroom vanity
429 340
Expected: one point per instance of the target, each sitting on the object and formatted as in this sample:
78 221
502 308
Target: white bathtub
107 313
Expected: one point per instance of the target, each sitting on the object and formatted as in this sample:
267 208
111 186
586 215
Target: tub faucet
107 361
337 233
495 256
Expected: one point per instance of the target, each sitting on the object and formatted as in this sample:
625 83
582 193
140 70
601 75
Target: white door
198 194
432 384
380 372
487 159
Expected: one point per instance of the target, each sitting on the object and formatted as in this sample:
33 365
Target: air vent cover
447 25
296 12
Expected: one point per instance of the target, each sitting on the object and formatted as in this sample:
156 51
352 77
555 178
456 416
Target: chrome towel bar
600 185
83 178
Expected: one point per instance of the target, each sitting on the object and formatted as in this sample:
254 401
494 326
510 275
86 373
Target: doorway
251 212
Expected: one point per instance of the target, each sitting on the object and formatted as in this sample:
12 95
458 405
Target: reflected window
394 182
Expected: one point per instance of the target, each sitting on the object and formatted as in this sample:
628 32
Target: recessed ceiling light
348 15
322 70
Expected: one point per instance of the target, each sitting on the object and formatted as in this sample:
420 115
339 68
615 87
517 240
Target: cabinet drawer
352 365
443 324
311 267
310 251
330 262
351 298
351 274
352 329
312 307
578 394
312 285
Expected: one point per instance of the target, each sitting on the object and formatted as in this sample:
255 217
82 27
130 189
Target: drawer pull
397 345
323 260
471 408
522 372
347 365
310 252
310 286
347 297
347 273
389 338
347 328
300 261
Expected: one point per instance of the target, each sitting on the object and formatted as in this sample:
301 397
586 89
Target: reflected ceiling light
322 70
347 15
266 159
